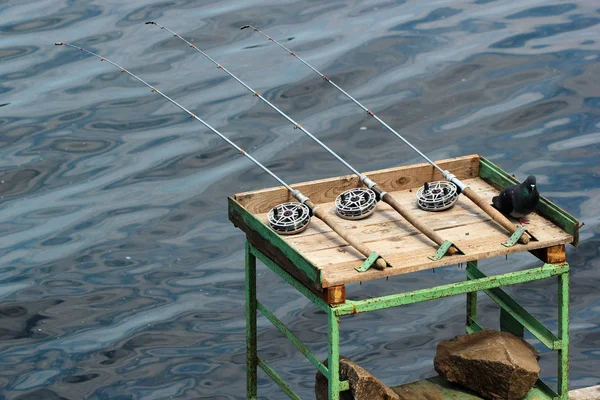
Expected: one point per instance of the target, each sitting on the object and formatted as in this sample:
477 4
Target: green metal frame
514 319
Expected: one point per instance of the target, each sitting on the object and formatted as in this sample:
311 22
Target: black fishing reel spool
357 203
437 196
289 218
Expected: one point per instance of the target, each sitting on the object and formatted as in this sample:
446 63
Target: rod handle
495 214
347 236
414 221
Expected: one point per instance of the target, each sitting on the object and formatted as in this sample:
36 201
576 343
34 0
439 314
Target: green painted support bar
510 324
471 305
542 391
333 359
516 311
344 385
395 300
251 356
237 211
293 338
278 380
495 175
563 333
473 326
319 302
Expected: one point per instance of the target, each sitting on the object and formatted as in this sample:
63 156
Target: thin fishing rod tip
59 43
243 27
150 23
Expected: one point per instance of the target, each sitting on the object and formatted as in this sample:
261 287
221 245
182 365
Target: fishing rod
355 203
474 197
286 218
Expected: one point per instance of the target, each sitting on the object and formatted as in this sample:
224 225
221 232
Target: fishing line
355 203
491 211
286 218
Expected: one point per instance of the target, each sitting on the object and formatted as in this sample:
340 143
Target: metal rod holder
368 262
441 252
514 238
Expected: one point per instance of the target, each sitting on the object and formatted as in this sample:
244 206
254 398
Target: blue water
120 274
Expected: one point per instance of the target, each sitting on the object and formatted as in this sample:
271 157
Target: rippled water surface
121 276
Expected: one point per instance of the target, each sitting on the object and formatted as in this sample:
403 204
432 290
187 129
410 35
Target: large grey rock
363 385
496 365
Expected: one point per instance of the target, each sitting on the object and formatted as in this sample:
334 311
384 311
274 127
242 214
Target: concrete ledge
590 393
439 389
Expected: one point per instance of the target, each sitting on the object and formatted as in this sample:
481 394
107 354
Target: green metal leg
471 307
251 356
334 355
563 334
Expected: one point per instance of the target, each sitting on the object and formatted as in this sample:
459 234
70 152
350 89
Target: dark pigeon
518 200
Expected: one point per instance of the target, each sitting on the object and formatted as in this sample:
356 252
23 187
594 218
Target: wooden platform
387 233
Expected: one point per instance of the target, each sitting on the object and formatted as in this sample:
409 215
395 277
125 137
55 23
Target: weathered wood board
387 233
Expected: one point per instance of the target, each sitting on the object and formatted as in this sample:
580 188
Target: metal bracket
441 252
368 262
514 238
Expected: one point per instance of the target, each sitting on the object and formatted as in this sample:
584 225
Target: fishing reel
289 218
437 196
357 203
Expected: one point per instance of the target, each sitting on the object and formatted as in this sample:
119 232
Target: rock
496 365
363 385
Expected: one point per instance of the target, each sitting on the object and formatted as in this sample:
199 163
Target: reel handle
430 233
347 236
495 214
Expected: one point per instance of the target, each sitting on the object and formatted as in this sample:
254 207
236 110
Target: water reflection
120 274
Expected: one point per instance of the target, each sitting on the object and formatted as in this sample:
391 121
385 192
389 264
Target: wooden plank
552 254
385 223
391 179
498 177
404 247
322 252
407 255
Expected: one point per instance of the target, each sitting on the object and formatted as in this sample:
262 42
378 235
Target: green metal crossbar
309 294
294 339
277 379
516 311
395 300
